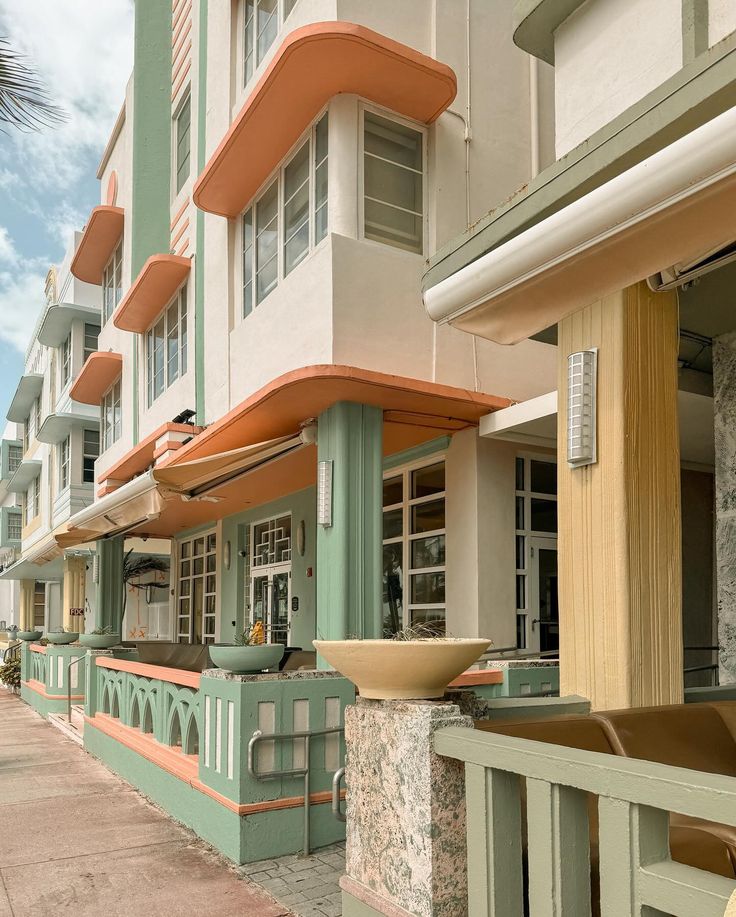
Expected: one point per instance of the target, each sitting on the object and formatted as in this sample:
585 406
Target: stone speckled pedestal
406 843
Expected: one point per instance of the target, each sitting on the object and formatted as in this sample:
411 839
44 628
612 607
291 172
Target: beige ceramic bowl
401 670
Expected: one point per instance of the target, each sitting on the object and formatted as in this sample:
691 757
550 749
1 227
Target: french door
271 602
543 607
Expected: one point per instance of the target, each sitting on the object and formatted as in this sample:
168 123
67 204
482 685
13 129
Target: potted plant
10 674
29 635
12 632
62 636
414 663
248 654
101 638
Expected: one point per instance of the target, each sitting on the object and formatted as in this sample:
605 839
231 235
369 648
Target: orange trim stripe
184 248
182 29
160 672
179 59
184 10
180 232
41 689
176 8
186 767
179 214
479 677
181 79
140 457
38 648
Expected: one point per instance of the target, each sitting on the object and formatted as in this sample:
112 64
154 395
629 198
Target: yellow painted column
619 519
27 587
75 575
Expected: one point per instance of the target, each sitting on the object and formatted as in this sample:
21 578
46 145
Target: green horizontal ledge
534 24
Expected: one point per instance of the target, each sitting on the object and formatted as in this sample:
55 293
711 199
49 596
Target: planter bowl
60 638
99 641
29 634
401 669
245 660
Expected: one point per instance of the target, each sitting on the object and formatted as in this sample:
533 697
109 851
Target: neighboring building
52 471
625 245
11 523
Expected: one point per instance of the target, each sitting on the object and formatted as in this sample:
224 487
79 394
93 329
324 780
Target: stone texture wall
406 844
724 429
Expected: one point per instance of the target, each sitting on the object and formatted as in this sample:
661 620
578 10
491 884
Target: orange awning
414 410
101 234
312 65
99 372
153 289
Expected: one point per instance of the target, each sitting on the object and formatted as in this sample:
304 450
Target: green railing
637 876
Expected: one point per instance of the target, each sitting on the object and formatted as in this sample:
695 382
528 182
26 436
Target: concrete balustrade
46 676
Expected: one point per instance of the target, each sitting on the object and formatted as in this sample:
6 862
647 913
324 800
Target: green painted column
110 583
151 204
350 436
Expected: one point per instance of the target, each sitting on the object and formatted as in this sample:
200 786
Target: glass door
271 602
543 606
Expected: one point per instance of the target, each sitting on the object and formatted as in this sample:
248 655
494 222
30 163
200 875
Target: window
536 514
393 183
15 456
414 548
197 589
63 457
111 420
66 360
90 452
166 347
91 334
15 526
31 501
39 604
112 283
272 542
288 219
33 423
260 27
183 143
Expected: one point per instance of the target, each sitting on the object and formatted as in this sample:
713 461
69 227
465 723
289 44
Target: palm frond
24 100
133 567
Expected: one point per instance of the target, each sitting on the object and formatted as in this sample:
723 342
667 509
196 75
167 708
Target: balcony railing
637 874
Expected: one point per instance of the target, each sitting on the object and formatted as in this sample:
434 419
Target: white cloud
8 254
83 51
21 299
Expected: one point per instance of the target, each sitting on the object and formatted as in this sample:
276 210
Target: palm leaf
24 100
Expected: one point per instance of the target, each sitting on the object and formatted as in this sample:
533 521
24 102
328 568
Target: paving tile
309 886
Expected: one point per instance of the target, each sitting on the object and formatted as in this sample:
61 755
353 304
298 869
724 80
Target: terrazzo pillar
405 833
75 579
724 432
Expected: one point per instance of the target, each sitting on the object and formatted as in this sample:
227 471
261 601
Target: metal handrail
10 651
303 772
69 665
336 781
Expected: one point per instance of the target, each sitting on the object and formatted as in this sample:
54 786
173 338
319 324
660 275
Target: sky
83 51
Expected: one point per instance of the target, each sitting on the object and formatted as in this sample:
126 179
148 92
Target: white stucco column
724 430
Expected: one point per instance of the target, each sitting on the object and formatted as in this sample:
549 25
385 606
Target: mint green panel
5 540
349 550
518 681
110 586
5 445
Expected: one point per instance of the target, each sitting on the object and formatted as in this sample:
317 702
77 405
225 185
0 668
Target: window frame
406 537
31 501
86 455
110 272
526 532
281 14
63 456
179 578
115 429
87 351
420 128
181 300
184 102
65 361
278 176
15 524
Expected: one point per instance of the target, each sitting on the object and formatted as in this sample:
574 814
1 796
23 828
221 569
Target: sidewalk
74 838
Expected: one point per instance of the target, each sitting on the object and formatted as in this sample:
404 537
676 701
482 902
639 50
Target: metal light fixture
226 555
301 538
581 407
324 493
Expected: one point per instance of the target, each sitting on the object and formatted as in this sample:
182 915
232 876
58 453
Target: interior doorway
544 615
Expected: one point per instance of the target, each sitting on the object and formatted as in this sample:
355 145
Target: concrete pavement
74 838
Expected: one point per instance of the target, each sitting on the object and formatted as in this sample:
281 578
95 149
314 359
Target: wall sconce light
95 568
149 593
581 407
226 555
324 493
301 538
